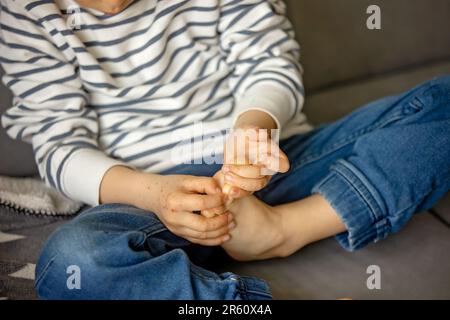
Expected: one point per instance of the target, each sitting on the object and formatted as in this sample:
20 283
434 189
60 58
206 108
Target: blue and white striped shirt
118 88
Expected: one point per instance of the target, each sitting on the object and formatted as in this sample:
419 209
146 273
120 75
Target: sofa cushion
442 210
333 103
337 46
414 264
407 260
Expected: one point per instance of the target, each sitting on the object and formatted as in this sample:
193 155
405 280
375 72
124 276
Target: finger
271 157
260 135
209 213
261 150
275 164
210 242
206 235
198 222
201 185
237 145
252 133
245 183
241 141
236 153
237 193
179 201
245 171
227 188
213 241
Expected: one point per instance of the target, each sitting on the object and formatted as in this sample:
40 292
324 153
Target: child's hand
181 196
175 199
250 160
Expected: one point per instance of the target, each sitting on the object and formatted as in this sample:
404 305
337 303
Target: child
100 89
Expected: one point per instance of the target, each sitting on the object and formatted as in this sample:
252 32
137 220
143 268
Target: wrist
255 118
145 191
122 184
116 184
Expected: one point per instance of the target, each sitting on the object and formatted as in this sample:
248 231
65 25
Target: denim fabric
126 253
376 167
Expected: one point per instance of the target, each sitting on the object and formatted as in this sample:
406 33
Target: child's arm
261 153
50 112
49 108
260 47
172 198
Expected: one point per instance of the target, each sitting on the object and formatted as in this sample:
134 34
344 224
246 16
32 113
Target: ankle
292 235
277 236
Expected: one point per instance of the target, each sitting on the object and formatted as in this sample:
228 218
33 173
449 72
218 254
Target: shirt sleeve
49 108
258 42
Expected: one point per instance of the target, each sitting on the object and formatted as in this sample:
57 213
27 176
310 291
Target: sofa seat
415 263
346 66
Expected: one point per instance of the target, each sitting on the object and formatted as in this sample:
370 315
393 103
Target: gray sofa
346 65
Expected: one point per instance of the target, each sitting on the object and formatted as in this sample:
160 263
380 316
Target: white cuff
83 174
276 101
268 98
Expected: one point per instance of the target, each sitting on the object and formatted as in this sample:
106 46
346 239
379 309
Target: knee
442 85
436 93
69 250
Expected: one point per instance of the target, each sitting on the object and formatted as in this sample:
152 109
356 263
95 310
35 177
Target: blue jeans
376 167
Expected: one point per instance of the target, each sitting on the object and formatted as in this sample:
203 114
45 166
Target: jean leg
121 252
377 166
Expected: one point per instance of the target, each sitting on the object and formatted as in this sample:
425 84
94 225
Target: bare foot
258 234
264 232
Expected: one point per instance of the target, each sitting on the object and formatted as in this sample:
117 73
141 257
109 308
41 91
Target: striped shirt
92 90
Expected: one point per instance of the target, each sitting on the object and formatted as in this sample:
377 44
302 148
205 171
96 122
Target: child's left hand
250 160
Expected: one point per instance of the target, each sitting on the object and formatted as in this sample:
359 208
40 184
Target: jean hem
357 203
251 288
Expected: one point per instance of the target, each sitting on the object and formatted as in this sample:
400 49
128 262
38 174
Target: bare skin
264 232
177 199
174 199
258 232
247 228
106 6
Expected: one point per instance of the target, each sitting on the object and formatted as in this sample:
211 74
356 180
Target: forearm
174 199
121 184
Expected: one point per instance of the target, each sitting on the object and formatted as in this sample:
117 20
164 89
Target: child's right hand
181 196
175 199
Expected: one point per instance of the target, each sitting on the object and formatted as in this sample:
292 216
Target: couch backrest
338 47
